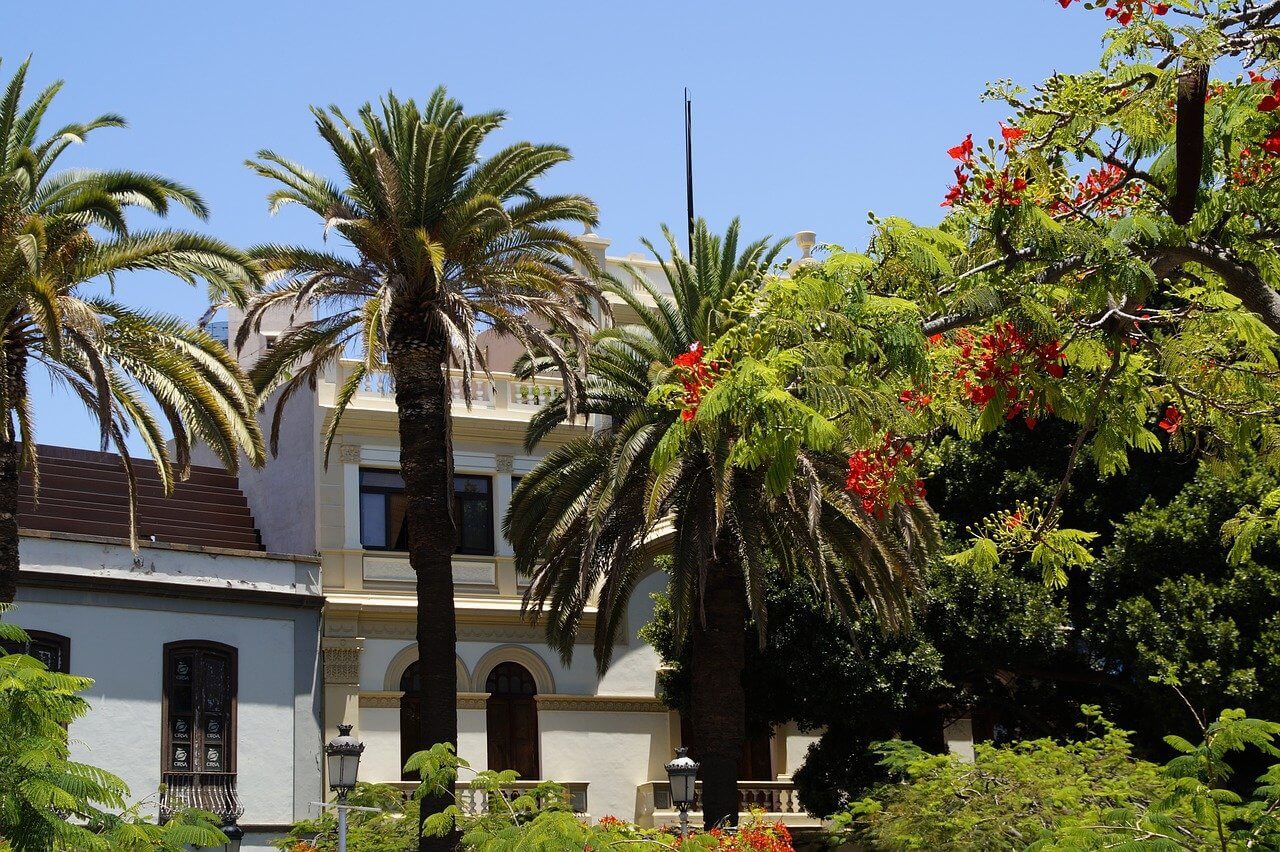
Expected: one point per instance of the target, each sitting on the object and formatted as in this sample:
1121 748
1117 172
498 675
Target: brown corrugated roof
83 492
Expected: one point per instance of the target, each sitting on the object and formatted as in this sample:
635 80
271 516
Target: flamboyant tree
1077 274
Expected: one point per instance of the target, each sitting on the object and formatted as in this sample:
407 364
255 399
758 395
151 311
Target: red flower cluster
1124 10
1101 188
997 363
1252 169
880 477
999 188
756 838
915 400
1003 189
1172 419
698 376
1269 103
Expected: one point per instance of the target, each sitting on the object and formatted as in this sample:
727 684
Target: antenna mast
688 164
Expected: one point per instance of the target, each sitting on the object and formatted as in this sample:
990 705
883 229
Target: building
520 707
203 646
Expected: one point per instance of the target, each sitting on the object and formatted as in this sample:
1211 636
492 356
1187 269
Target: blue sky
806 115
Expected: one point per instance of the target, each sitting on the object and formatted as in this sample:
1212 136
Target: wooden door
511 720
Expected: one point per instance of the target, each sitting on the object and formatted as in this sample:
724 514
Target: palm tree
586 521
446 244
60 231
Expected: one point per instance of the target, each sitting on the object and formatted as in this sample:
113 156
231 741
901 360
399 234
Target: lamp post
343 756
682 775
235 836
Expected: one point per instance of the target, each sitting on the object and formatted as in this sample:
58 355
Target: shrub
1089 794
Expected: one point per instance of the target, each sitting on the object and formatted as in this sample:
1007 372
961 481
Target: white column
501 500
350 457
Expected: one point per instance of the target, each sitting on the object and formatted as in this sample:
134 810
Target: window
410 717
199 709
384 512
511 720
49 648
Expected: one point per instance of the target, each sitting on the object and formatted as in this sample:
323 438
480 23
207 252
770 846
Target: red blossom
1172 419
1011 134
964 151
698 376
882 475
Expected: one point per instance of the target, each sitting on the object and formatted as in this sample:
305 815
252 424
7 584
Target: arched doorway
410 714
511 720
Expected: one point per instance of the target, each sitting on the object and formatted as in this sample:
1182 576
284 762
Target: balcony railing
476 801
777 799
207 791
521 398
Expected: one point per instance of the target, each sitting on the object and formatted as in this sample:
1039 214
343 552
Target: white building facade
205 657
608 737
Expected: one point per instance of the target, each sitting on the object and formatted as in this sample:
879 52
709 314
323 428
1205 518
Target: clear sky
806 115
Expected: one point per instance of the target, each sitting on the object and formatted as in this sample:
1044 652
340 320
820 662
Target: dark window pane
398 521
471 485
386 479
373 520
213 758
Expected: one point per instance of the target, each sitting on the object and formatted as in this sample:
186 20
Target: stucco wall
118 640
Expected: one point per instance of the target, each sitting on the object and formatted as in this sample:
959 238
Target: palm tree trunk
426 463
9 456
719 703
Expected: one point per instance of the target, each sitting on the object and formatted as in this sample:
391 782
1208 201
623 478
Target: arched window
51 649
410 716
511 718
199 735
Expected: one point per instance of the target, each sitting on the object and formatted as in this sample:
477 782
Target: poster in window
181 759
181 729
183 674
213 758
213 727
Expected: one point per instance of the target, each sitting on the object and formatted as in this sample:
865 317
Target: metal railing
777 799
207 791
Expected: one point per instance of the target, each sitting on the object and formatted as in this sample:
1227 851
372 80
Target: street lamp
235 836
682 775
343 754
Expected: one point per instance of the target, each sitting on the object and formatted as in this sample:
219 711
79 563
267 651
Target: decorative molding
505 463
406 657
345 628
602 703
342 661
396 569
473 700
381 699
349 454
390 700
514 632
516 654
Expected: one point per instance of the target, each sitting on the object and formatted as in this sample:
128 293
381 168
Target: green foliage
449 242
1167 599
50 803
63 233
1091 793
751 473
500 819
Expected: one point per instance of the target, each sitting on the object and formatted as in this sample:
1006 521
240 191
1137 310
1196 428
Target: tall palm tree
586 520
446 243
62 231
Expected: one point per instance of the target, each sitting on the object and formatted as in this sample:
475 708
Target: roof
83 492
